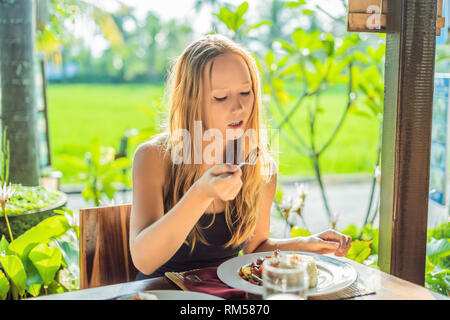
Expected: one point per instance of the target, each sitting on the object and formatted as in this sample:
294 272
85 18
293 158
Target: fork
193 277
251 158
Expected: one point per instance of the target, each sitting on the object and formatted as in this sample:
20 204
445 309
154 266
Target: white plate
175 295
334 275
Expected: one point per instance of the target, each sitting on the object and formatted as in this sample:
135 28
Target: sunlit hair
185 94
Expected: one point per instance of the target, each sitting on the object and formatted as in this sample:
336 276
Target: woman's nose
237 106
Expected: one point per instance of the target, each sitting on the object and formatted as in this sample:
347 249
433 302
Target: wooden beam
409 82
363 5
367 15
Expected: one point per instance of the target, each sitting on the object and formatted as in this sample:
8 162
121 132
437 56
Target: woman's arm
328 241
154 236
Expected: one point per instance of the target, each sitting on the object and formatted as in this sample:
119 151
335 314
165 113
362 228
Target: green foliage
52 34
351 230
313 63
137 54
47 261
99 171
4 286
364 248
299 232
437 268
236 23
359 251
14 269
31 264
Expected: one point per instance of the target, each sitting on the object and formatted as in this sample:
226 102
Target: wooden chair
104 248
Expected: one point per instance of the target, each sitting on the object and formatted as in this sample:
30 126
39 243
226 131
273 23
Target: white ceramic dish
334 275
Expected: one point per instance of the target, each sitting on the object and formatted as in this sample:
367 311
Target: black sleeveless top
202 256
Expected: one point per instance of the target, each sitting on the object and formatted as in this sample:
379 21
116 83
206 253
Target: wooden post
19 113
409 82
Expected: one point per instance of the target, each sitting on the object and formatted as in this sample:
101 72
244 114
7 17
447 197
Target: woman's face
228 95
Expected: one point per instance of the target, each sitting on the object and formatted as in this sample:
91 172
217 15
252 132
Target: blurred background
99 78
101 68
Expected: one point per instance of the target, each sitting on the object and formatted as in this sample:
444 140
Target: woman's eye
220 99
245 93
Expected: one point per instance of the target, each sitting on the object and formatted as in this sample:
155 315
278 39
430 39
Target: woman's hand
222 182
329 241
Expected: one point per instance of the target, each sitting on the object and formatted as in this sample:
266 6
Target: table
387 287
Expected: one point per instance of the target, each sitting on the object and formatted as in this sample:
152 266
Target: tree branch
344 114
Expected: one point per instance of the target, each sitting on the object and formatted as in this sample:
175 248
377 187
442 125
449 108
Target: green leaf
4 286
359 56
70 256
257 25
429 266
440 232
328 44
51 227
285 45
292 69
348 43
375 240
359 251
108 188
442 58
88 192
75 162
437 249
295 4
55 288
313 79
351 230
121 164
242 9
269 58
47 261
227 17
13 267
3 245
34 280
299 37
299 232
377 54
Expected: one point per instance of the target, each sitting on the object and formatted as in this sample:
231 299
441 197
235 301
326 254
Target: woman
191 207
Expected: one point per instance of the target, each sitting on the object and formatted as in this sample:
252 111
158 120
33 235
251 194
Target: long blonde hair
185 93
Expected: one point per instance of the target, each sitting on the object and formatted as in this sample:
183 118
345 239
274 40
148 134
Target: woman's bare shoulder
152 156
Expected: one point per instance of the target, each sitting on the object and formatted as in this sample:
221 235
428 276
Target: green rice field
79 112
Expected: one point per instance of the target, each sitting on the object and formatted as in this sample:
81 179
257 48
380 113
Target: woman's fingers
222 169
343 242
229 184
344 246
331 235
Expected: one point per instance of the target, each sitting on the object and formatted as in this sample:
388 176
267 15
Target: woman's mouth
236 124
